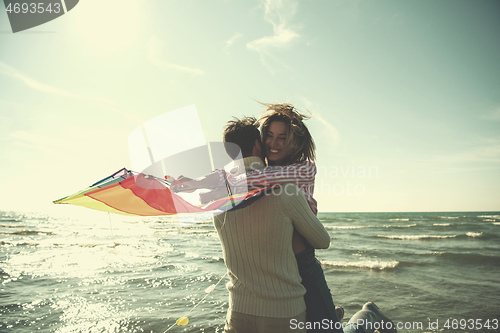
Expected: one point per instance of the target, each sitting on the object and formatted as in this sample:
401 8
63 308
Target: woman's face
275 144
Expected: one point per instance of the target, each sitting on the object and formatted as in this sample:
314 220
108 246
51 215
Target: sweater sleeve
303 219
298 173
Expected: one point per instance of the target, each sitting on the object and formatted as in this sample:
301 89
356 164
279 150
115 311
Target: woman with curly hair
290 153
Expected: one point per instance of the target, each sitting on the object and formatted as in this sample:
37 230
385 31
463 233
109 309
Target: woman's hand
185 184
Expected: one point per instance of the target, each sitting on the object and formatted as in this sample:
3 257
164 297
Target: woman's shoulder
307 164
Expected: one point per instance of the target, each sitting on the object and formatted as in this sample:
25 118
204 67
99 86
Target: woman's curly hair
300 144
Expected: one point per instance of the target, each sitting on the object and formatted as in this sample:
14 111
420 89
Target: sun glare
110 26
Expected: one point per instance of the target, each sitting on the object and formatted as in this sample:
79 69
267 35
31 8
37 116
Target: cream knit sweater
257 243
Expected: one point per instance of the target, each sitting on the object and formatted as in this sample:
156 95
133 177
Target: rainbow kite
148 193
130 193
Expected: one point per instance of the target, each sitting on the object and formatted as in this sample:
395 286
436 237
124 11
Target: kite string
111 228
210 289
185 254
115 244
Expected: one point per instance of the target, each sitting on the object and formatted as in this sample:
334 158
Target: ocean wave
28 233
449 217
350 227
416 237
489 216
185 231
27 244
9 219
17 226
442 224
496 223
401 226
473 258
399 219
424 237
474 234
370 264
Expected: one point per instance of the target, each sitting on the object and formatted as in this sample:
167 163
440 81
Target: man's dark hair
242 132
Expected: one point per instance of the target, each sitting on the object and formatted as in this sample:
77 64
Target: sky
404 96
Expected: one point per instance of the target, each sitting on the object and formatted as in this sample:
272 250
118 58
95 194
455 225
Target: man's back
256 240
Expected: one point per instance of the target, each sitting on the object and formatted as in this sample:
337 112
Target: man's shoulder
278 193
286 192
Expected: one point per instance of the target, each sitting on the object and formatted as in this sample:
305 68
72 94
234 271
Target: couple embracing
276 284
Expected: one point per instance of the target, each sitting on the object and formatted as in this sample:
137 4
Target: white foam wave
490 216
450 217
416 237
370 264
401 226
442 224
419 237
496 223
399 219
349 227
344 227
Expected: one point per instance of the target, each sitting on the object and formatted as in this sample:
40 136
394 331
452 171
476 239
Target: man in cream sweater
265 293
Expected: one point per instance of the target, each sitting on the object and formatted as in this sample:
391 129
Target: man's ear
257 148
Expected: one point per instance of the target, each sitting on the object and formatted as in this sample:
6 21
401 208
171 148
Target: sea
429 272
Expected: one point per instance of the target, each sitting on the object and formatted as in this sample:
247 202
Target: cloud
492 115
32 83
280 14
48 89
485 150
36 141
483 154
233 39
156 56
282 37
328 129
